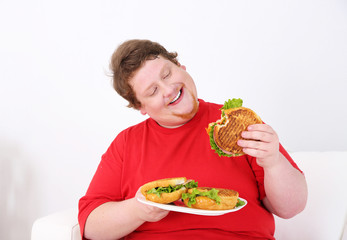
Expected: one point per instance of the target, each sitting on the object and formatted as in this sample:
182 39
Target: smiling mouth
177 97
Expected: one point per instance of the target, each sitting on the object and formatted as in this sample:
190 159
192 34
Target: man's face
166 91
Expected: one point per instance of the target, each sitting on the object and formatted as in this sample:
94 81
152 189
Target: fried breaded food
227 199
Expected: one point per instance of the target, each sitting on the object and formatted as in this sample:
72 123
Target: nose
167 90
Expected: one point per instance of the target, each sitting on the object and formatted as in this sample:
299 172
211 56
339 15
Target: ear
183 67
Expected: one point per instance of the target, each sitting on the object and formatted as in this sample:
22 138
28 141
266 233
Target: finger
153 214
160 215
258 145
261 127
258 135
258 153
158 211
250 144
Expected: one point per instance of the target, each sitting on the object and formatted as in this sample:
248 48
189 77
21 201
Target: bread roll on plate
166 190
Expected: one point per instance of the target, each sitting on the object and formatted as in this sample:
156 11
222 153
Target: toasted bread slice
228 199
228 130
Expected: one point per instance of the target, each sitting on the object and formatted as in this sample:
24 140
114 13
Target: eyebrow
164 68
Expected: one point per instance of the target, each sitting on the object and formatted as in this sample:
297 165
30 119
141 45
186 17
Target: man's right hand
149 213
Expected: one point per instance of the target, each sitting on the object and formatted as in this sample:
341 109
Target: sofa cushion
325 214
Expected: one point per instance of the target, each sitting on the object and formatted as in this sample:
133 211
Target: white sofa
325 216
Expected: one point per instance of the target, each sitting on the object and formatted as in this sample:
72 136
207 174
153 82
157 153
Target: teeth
177 97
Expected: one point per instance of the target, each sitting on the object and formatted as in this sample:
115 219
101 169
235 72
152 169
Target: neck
176 126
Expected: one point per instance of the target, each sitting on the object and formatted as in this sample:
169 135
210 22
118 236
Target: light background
286 59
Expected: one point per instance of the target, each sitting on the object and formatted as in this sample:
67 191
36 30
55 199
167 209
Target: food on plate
225 132
211 198
170 190
167 190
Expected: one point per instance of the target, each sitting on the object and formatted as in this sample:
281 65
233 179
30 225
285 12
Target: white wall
59 113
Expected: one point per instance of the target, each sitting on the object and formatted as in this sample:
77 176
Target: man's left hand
262 142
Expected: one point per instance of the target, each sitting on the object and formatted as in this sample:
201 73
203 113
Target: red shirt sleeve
259 171
105 185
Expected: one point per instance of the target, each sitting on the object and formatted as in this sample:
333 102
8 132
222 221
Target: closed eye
167 75
154 91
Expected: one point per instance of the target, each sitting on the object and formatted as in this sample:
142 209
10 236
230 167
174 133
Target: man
172 142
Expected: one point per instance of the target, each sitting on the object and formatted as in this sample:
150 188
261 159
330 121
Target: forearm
286 189
113 220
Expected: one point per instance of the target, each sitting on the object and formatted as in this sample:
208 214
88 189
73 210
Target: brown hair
128 58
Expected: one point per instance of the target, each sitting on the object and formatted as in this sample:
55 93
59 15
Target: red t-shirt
147 152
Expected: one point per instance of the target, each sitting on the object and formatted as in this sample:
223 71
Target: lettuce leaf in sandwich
212 194
233 103
169 189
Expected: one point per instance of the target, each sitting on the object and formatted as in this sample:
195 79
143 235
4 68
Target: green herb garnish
240 203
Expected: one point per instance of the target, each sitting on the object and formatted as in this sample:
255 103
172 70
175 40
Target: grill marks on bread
236 120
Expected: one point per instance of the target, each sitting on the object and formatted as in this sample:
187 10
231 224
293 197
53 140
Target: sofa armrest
62 225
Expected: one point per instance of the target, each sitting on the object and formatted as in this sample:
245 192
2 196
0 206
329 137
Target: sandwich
167 190
212 198
225 132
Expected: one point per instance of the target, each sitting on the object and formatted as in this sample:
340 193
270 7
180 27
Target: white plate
178 206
